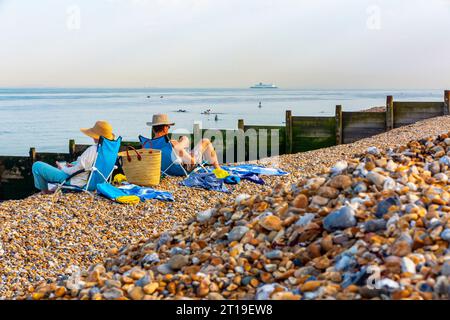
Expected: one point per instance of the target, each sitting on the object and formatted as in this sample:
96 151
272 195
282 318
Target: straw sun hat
160 120
101 128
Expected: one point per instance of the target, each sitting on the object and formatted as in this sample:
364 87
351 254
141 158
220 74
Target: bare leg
206 148
180 148
183 142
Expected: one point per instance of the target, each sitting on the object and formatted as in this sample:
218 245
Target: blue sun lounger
171 164
101 171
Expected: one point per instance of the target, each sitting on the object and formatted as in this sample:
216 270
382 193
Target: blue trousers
44 174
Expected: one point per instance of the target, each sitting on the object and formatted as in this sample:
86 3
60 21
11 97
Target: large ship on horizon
264 86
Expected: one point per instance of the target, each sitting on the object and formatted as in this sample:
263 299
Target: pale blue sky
225 43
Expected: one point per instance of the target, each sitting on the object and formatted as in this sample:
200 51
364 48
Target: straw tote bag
142 166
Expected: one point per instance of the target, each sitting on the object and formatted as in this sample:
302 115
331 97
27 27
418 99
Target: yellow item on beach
119 178
128 199
220 173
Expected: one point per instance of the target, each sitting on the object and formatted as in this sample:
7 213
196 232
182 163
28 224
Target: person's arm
84 162
72 169
182 142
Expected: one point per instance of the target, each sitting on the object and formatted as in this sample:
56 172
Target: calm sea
48 118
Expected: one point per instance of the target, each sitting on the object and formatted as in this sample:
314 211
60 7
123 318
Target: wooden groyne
298 134
310 133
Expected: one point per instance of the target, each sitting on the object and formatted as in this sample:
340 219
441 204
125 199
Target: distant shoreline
375 109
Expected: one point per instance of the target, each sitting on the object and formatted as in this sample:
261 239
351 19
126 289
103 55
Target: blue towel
207 181
253 177
252 168
144 193
251 172
232 180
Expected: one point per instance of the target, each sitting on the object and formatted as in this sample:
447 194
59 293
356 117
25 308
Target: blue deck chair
171 163
101 171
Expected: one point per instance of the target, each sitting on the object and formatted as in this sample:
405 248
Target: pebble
384 206
204 216
328 192
150 258
375 225
241 198
274 254
178 261
301 201
391 166
237 233
315 183
445 160
401 248
164 269
113 293
310 286
264 292
320 201
408 265
143 281
305 219
389 184
376 178
339 167
360 187
271 223
445 270
340 219
137 293
373 150
446 235
151 288
270 267
340 182
388 284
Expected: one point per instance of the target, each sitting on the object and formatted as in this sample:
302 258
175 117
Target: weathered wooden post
241 130
338 116
241 124
196 129
72 147
389 113
288 131
32 155
447 102
196 134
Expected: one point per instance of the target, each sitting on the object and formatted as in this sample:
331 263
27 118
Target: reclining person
204 149
44 173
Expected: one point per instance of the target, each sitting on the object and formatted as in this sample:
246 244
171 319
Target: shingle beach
376 211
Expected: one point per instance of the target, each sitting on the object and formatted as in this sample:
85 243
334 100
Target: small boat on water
264 86
181 110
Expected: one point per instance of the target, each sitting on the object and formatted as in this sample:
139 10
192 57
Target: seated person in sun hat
44 173
204 149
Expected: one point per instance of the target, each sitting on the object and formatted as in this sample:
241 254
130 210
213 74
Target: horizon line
218 88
